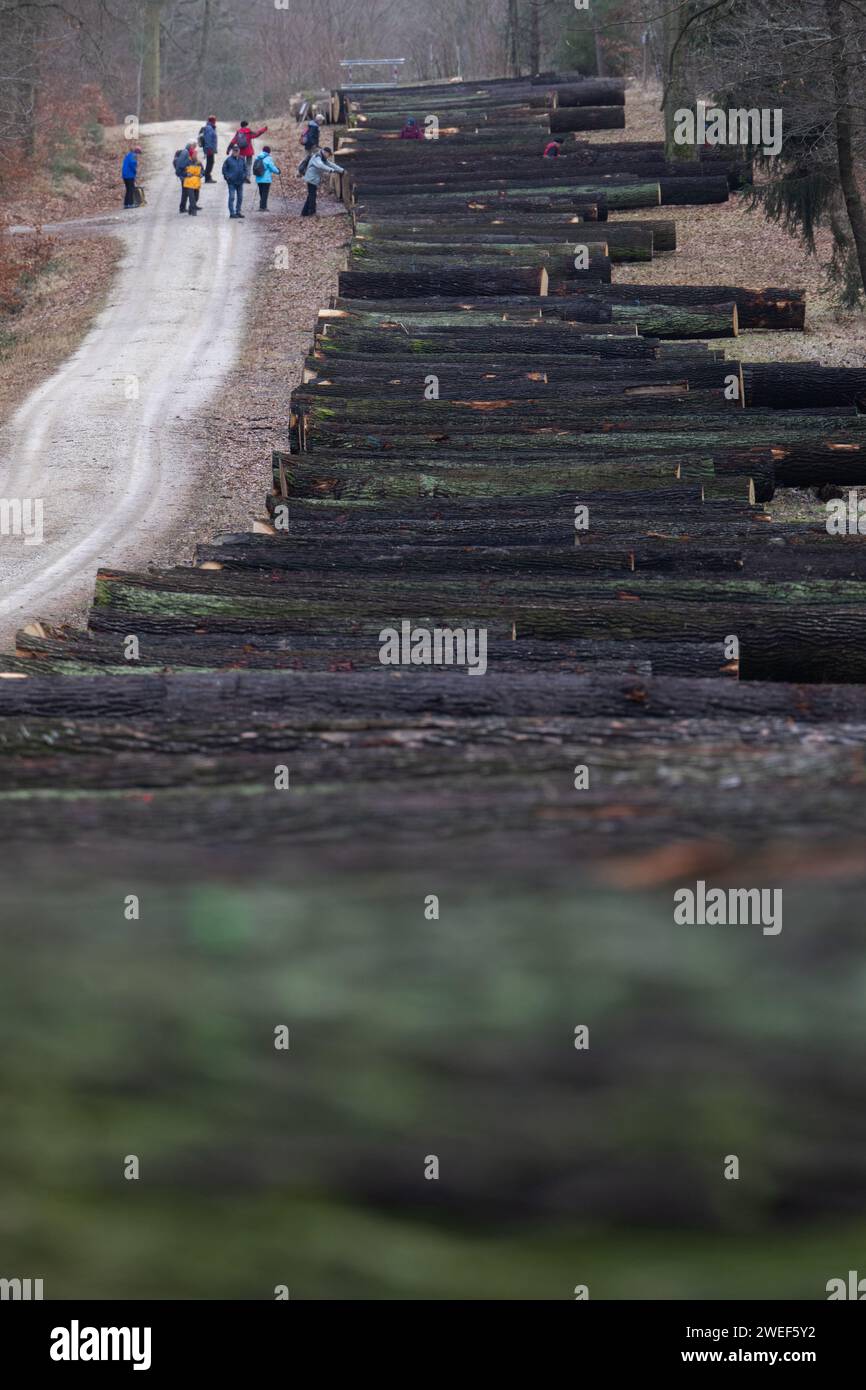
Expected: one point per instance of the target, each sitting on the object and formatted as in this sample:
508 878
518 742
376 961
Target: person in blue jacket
128 173
265 178
210 144
234 172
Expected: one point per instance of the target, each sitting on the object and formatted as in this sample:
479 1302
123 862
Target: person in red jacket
244 138
552 150
411 130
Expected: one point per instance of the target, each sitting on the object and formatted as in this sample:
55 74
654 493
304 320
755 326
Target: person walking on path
128 173
411 130
234 172
264 169
191 183
244 138
209 144
319 164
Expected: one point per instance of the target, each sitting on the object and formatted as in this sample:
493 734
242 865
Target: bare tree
675 23
513 41
534 36
202 55
807 63
845 57
152 22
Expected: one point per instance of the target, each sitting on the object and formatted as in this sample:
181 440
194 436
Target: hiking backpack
201 137
302 167
258 166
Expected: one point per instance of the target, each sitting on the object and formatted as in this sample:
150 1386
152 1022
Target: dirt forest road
103 443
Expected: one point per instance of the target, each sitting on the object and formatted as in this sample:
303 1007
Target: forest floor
51 286
733 244
60 299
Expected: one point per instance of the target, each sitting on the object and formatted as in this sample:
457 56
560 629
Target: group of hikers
240 166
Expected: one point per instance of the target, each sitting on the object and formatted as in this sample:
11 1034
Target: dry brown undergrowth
66 185
60 303
729 244
50 291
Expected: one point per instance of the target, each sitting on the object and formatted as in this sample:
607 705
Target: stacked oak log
487 436
488 142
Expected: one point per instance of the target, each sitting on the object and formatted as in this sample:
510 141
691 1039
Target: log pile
491 435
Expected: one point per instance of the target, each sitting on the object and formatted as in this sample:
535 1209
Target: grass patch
29 278
66 163
94 134
64 167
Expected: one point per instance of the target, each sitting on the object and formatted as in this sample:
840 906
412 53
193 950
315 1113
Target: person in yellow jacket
191 182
